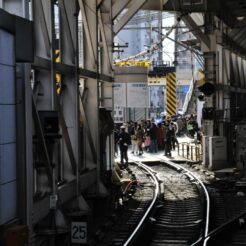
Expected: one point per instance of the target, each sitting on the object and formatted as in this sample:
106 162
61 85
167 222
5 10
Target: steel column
89 17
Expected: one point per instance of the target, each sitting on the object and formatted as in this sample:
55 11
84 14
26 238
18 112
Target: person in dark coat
124 141
153 138
168 139
160 137
174 140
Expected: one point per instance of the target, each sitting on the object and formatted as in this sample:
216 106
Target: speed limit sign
79 232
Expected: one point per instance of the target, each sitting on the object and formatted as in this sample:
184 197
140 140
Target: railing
190 151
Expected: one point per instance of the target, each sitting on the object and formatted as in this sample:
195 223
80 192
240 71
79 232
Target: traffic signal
207 89
201 97
208 113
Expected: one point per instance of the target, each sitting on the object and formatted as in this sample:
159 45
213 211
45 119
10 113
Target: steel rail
190 174
151 172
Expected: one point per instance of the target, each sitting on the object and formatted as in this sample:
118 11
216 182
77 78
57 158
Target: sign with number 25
79 232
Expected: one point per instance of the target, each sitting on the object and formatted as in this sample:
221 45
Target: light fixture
239 18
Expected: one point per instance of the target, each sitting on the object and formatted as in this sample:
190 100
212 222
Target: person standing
180 126
134 138
140 139
116 140
174 140
168 138
147 137
124 141
160 137
153 138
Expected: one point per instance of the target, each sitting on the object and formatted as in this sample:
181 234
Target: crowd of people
148 136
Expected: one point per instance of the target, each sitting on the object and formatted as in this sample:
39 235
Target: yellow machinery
140 63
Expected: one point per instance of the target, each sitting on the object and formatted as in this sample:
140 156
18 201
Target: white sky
168 45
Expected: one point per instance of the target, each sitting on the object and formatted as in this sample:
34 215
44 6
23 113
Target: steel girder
105 55
191 24
67 102
91 106
136 5
118 6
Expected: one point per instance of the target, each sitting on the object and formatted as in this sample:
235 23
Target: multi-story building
145 29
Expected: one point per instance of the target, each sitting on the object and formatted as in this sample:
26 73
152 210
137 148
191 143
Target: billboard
131 95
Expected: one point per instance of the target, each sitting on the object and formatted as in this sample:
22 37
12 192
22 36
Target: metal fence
190 151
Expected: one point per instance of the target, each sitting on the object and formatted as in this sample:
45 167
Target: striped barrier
171 103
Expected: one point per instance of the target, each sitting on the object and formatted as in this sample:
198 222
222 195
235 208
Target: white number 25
79 232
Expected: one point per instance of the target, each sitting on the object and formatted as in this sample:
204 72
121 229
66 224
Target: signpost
79 232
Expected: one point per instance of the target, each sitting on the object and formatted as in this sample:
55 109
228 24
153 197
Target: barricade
190 151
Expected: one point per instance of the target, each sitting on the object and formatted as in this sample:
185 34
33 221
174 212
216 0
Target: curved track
170 206
136 209
181 217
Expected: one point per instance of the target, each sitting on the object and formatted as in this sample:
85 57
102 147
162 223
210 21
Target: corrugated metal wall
8 193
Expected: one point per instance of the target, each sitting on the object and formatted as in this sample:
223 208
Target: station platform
152 157
188 152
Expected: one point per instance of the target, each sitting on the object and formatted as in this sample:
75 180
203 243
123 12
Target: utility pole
117 48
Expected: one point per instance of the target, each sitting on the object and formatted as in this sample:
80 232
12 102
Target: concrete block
217 153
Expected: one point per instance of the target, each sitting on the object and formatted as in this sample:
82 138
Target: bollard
197 153
191 152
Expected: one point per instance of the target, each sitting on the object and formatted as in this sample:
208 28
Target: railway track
171 206
137 208
227 225
181 216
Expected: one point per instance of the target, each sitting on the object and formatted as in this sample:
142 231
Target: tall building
145 29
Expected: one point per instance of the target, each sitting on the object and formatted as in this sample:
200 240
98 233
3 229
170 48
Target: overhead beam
102 31
44 27
194 28
99 3
67 28
118 6
228 41
129 14
87 30
206 6
239 36
42 63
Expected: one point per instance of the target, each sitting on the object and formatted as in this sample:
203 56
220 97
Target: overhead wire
154 46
